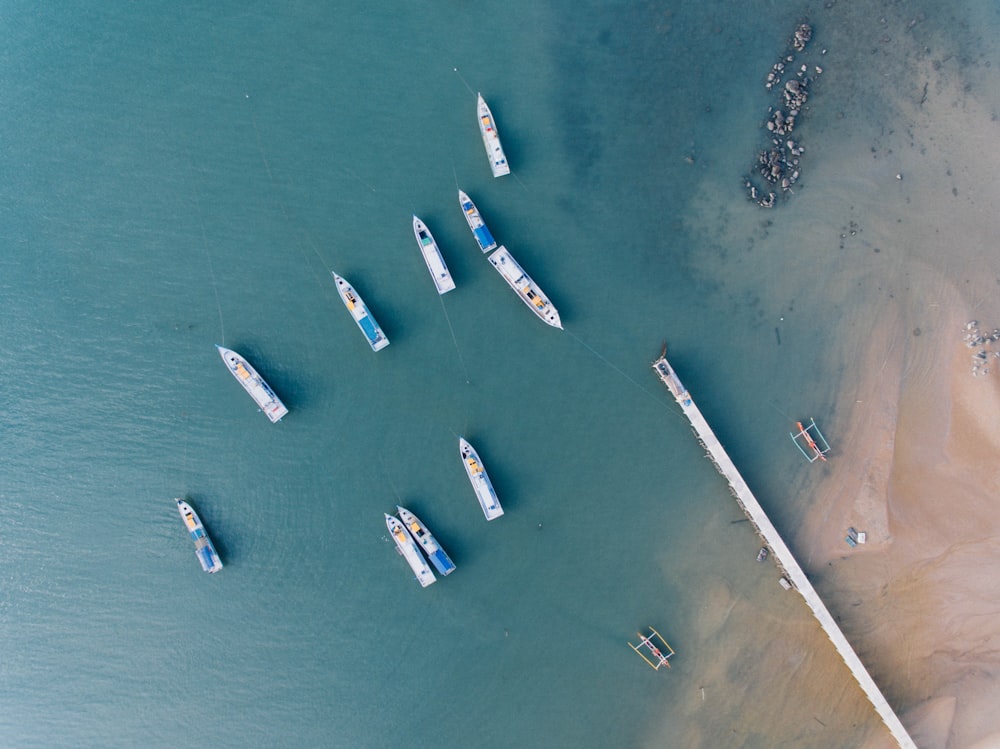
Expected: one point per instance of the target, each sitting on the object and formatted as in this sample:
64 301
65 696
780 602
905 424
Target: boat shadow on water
279 373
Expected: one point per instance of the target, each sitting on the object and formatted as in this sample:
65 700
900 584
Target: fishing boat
432 256
203 548
658 653
254 384
479 229
362 316
481 483
487 126
524 287
407 547
810 441
418 531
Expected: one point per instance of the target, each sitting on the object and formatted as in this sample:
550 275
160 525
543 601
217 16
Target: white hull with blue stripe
478 227
203 547
359 311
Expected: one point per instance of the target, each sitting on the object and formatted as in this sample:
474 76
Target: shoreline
912 471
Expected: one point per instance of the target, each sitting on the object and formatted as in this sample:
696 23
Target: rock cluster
975 338
803 33
778 163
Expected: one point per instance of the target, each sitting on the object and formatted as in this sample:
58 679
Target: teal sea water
175 177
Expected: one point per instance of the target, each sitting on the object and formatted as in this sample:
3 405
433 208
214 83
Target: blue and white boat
359 311
524 287
418 531
488 129
480 480
479 229
254 384
409 550
203 548
432 257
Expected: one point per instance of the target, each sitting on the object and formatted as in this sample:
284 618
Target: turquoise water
175 178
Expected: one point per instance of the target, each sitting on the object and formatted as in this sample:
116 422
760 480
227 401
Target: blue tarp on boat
368 326
484 237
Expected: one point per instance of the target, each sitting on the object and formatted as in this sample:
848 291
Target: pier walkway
786 561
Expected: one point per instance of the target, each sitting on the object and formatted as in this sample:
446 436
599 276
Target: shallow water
179 178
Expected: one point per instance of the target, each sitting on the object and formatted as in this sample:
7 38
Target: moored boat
480 480
362 316
203 547
254 384
409 550
524 287
418 531
491 139
479 229
432 257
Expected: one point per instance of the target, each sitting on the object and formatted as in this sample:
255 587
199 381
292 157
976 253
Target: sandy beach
906 177
917 437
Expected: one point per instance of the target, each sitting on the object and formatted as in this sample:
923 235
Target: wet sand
915 461
906 175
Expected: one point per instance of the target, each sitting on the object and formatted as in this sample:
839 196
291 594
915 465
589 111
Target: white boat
488 128
203 547
408 548
254 384
362 316
524 287
419 532
479 229
481 483
432 256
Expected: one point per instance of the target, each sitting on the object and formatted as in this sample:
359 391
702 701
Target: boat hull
203 547
255 385
480 480
476 224
491 139
409 550
526 289
360 314
436 266
425 539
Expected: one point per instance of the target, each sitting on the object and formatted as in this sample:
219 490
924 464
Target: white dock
784 557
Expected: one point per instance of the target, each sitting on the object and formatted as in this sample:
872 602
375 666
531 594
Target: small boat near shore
432 549
657 649
362 316
491 139
254 384
810 441
480 480
409 550
524 287
203 547
432 257
479 229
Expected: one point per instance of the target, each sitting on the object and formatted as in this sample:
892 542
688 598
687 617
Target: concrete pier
783 555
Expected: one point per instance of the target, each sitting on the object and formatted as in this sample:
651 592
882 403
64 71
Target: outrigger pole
816 447
646 641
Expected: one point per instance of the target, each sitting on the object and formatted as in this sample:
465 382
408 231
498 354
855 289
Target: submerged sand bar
793 572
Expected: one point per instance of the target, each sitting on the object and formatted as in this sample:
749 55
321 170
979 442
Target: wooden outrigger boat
659 655
810 441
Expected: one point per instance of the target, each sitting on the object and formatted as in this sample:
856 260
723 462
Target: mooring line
617 369
454 339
